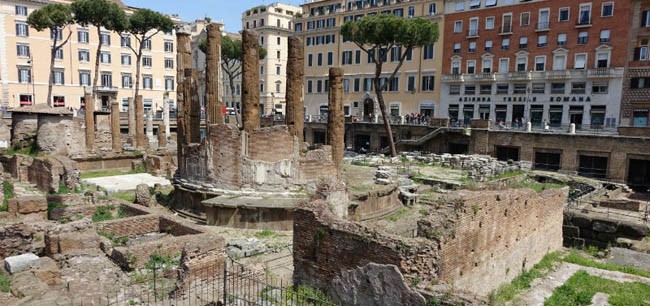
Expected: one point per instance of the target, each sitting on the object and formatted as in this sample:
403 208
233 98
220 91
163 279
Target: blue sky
226 11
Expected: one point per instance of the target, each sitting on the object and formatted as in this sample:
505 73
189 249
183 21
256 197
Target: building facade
25 62
636 86
548 62
415 88
273 23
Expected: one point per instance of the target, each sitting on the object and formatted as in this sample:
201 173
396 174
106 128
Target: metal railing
556 128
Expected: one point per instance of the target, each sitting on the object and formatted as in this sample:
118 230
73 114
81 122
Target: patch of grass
8 191
116 241
535 185
103 213
52 206
63 189
111 172
5 283
30 150
159 261
581 288
266 234
398 215
508 175
574 258
128 196
522 282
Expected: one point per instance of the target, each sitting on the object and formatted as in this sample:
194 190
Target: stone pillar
162 136
90 119
166 116
213 103
295 112
336 119
140 142
187 103
115 126
131 117
250 81
194 127
150 127
183 60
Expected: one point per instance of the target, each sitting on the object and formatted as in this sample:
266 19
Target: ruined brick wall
176 229
23 129
19 238
317 163
133 226
500 233
197 165
136 256
103 135
270 144
59 135
375 203
583 229
17 166
49 173
225 140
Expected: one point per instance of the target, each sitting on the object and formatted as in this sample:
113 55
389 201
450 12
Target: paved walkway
126 182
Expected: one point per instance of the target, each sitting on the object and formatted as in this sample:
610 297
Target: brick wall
270 144
317 163
498 234
226 155
585 229
133 226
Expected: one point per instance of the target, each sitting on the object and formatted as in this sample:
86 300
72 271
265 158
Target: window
519 88
146 45
454 89
473 27
524 19
309 86
607 9
563 14
543 20
503 65
107 80
409 55
503 89
411 12
559 62
261 40
584 17
604 36
319 86
277 70
557 88
367 84
561 39
22 29
24 75
56 33
602 60
105 38
125 41
488 45
346 58
460 6
357 85
310 60
505 44
394 84
277 54
169 46
578 88
489 23
21 10
474 4
410 83
485 89
455 67
146 61
538 88
84 56
319 59
470 89
25 100
398 12
22 50
645 19
638 83
428 52
395 53
84 78
169 83
458 26
457 48
522 63
599 87
371 56
262 70
486 65
58 55
540 63
471 66
147 81
583 37
105 57
58 101
580 61
542 41
472 47
357 57
126 59
83 37
489 3
169 63
126 80
279 39
59 77
523 42
428 83
506 23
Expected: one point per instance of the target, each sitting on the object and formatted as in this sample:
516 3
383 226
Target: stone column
183 60
140 142
213 76
250 81
115 126
131 117
336 119
149 128
187 94
194 132
90 119
166 116
162 136
295 111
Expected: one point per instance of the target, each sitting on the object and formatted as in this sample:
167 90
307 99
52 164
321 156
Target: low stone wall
79 211
19 238
59 135
123 161
70 237
271 218
130 227
374 204
597 229
29 205
49 173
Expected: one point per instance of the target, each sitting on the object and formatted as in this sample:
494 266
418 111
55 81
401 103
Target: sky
227 11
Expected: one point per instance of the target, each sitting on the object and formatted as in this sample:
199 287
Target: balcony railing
453 78
520 75
108 89
583 22
485 76
558 75
505 30
604 73
472 33
543 26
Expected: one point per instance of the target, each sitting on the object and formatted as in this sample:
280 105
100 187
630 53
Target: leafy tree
376 35
99 13
144 24
231 57
53 17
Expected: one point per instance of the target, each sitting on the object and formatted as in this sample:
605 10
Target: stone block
604 226
571 231
633 230
71 242
15 264
48 272
27 205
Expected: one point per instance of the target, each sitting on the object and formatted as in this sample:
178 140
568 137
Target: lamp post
31 77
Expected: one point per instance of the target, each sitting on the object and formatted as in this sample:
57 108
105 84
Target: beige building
25 61
416 87
274 24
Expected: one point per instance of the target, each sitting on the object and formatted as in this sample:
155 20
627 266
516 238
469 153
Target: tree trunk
138 57
382 107
232 93
51 79
97 55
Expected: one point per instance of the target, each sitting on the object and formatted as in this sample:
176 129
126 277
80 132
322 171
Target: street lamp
31 76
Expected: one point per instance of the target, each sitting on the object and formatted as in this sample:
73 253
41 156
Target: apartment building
25 62
555 62
415 88
273 23
636 85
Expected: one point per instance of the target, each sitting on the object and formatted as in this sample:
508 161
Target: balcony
106 89
583 23
604 73
471 33
453 78
543 26
520 76
484 77
505 30
558 75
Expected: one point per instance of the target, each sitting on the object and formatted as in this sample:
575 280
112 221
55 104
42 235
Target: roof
43 109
